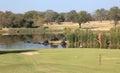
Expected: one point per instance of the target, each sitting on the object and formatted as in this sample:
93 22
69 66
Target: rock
54 38
63 43
45 42
27 41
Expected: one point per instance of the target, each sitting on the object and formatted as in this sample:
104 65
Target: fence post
100 59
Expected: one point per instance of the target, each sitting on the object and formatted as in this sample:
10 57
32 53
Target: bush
115 37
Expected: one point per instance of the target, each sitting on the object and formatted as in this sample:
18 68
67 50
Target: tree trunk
116 22
79 25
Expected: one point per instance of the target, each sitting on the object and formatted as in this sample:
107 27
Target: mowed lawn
72 60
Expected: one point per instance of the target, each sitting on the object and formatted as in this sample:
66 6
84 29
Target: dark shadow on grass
90 27
14 51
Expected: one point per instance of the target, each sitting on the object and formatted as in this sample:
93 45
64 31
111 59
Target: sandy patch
29 53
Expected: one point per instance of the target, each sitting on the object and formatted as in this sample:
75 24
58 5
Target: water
26 42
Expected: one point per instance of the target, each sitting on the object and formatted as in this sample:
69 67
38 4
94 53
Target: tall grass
89 39
85 38
115 37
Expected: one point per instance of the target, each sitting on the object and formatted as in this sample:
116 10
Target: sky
21 6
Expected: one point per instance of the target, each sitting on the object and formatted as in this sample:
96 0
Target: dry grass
94 25
97 25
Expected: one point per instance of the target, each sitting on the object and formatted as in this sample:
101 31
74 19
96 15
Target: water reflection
27 41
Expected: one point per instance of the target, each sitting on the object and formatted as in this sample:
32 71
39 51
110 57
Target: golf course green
69 60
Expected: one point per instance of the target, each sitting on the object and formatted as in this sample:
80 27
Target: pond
29 41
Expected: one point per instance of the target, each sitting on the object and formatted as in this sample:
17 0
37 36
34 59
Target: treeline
37 18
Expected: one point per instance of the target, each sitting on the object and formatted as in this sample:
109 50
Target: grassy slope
62 61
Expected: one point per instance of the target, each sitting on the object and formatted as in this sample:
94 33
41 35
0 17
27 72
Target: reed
89 39
115 37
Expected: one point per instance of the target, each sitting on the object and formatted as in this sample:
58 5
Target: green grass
61 61
29 30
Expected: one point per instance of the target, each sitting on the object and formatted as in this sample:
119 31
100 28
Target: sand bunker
29 53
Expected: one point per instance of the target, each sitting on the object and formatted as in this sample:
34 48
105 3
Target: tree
60 18
6 19
1 19
18 21
71 16
51 16
32 16
114 15
39 20
100 14
28 24
83 17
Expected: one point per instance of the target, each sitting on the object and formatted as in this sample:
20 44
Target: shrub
115 37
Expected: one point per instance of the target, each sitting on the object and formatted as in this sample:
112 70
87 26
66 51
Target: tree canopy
100 14
37 18
114 14
83 17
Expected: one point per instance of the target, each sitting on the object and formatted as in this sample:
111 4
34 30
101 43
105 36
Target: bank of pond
71 38
31 41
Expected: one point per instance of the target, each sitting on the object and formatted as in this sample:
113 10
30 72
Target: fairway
72 60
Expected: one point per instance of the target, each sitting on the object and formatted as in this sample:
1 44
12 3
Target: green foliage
71 16
115 37
89 39
9 19
51 15
59 19
6 19
30 15
86 38
28 24
83 17
100 14
114 14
